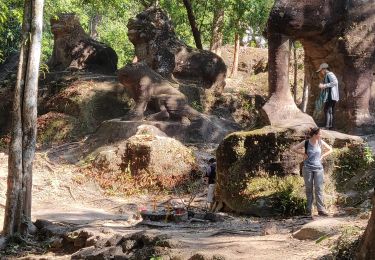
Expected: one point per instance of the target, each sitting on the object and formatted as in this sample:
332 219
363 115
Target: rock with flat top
318 228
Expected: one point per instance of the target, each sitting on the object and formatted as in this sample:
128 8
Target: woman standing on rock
313 172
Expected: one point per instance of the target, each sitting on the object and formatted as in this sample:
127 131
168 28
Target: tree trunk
94 22
306 85
235 55
295 72
305 95
366 248
193 25
217 29
24 114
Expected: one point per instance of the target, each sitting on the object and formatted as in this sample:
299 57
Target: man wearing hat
330 84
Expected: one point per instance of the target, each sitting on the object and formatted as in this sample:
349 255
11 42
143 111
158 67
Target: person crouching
210 178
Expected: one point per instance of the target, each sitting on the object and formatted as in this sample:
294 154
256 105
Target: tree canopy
114 14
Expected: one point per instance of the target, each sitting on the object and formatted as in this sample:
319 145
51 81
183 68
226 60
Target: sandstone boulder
164 160
257 174
74 49
156 43
318 228
90 99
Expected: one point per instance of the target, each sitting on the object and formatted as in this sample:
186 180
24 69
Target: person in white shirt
329 83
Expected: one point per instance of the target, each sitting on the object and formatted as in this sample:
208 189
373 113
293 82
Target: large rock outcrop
163 106
148 154
74 49
340 33
71 106
155 42
259 175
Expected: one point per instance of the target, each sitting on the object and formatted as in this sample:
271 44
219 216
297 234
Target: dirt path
58 196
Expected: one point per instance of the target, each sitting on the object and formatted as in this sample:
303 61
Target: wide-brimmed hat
323 66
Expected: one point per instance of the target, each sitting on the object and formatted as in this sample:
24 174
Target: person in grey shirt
313 173
331 84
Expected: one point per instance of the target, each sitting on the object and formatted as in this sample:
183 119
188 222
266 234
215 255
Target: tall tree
295 71
236 53
193 24
217 28
24 115
244 14
95 19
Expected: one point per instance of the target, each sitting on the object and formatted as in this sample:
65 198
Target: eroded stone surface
319 228
74 49
155 42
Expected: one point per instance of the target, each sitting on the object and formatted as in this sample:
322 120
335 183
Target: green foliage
197 106
347 244
351 161
246 101
115 14
10 26
156 258
113 33
286 193
242 14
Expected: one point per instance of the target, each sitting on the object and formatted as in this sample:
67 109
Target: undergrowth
286 193
126 184
347 244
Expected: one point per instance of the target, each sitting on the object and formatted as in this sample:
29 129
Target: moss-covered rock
259 175
56 128
149 158
90 98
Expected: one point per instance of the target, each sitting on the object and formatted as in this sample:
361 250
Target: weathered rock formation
71 106
341 33
156 43
366 249
149 153
257 174
150 90
74 49
319 228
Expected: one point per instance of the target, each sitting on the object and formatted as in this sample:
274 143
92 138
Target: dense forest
213 20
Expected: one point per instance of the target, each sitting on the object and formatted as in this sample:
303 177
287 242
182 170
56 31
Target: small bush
286 193
347 244
352 161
